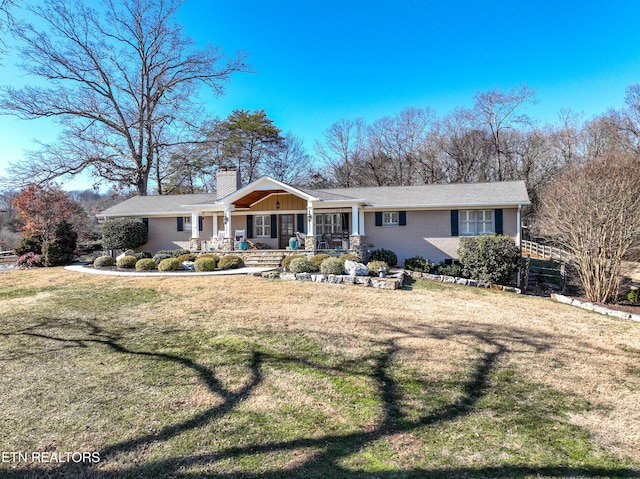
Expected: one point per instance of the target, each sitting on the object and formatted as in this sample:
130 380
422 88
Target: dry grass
239 375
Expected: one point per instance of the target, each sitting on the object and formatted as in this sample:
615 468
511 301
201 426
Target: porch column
228 241
355 221
194 243
310 240
215 226
361 223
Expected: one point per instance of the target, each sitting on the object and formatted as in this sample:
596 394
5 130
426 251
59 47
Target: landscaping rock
463 281
288 276
353 268
303 276
189 265
448 279
365 280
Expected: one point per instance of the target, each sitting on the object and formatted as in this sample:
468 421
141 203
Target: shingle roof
434 196
421 196
158 204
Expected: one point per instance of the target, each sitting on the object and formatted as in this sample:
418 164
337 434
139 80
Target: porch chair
336 240
239 236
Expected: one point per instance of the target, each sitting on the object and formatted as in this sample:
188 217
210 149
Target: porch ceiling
250 198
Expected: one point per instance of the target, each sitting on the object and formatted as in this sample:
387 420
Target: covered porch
271 215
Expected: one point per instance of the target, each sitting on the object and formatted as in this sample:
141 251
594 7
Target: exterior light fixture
225 218
277 204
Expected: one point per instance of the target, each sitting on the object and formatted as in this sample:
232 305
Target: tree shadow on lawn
330 449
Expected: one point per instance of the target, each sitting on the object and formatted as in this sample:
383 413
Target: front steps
262 258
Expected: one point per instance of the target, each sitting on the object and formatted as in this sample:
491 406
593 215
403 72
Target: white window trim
391 221
265 226
475 221
322 228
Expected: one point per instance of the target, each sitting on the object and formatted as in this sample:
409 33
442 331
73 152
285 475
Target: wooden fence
546 252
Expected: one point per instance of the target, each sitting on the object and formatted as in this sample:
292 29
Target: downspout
519 242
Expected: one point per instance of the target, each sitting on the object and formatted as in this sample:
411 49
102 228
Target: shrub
205 263
332 265
375 266
103 262
317 260
634 295
168 252
28 244
230 261
288 259
61 248
124 233
169 264
385 255
454 269
161 256
29 260
127 262
300 265
143 255
490 258
349 257
419 264
179 252
146 264
186 257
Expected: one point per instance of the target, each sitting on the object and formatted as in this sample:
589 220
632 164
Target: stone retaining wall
443 278
596 308
392 282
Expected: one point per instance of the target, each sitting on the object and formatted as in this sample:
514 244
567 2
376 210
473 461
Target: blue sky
316 62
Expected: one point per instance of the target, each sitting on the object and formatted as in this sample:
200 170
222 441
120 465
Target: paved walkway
251 271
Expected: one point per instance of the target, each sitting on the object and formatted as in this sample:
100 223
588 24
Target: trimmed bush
124 233
104 262
127 262
60 250
288 259
161 256
179 252
332 266
349 257
634 296
143 255
205 263
169 264
419 264
29 260
489 258
28 244
375 266
186 257
300 265
385 255
146 264
230 261
454 269
317 260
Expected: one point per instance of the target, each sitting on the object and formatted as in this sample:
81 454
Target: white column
195 231
355 220
310 219
518 228
361 221
227 221
215 225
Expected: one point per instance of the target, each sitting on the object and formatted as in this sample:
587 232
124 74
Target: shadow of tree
330 449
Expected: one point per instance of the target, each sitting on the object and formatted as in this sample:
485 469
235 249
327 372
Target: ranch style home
425 220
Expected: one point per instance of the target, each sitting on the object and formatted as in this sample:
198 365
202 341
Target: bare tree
121 82
343 150
290 164
592 212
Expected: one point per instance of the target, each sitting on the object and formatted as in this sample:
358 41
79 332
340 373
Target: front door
286 230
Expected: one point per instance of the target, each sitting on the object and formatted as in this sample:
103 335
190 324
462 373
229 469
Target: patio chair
239 235
336 240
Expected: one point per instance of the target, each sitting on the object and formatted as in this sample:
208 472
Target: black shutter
274 226
499 221
200 223
302 223
402 218
180 225
378 218
454 223
249 226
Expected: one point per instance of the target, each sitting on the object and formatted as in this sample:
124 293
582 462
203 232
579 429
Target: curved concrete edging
596 308
250 271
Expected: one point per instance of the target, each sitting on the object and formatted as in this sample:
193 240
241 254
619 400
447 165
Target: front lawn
245 377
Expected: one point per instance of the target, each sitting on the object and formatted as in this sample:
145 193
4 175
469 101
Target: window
476 222
328 223
391 218
262 225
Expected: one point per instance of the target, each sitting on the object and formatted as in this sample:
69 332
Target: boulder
353 268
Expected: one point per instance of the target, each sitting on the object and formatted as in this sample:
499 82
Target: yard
247 377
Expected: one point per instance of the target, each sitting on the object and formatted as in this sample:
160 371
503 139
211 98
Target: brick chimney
227 181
